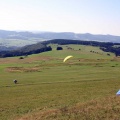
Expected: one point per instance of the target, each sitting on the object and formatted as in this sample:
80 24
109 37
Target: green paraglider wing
66 58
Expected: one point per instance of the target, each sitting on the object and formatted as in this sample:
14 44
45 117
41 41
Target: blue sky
79 16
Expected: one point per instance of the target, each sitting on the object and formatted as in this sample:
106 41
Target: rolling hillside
44 46
46 84
26 50
22 38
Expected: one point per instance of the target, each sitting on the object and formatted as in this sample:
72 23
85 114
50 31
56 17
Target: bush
21 58
59 48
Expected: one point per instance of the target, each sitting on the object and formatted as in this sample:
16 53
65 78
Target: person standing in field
15 81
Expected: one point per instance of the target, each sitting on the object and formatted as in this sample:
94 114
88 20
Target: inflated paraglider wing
66 58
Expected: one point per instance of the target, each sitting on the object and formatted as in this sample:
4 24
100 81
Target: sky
78 16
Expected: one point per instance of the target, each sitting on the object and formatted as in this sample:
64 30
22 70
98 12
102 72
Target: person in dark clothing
15 81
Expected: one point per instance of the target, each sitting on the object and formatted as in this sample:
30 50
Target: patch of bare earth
22 69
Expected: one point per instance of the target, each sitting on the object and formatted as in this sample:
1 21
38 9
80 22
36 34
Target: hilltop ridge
22 38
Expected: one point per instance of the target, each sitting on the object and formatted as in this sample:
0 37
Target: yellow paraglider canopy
66 58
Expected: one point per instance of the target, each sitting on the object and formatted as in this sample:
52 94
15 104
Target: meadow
82 88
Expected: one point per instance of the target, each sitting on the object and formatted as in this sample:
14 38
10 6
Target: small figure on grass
15 81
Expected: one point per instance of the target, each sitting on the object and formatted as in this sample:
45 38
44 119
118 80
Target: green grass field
49 89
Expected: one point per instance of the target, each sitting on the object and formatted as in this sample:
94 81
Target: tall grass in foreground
103 109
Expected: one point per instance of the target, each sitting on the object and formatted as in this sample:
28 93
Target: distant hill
22 38
105 46
26 50
44 46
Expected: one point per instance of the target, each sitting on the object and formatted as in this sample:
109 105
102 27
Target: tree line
43 47
27 50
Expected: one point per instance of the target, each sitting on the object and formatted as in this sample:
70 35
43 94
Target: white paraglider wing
66 58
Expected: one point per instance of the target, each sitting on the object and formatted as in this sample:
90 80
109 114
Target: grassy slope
47 85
